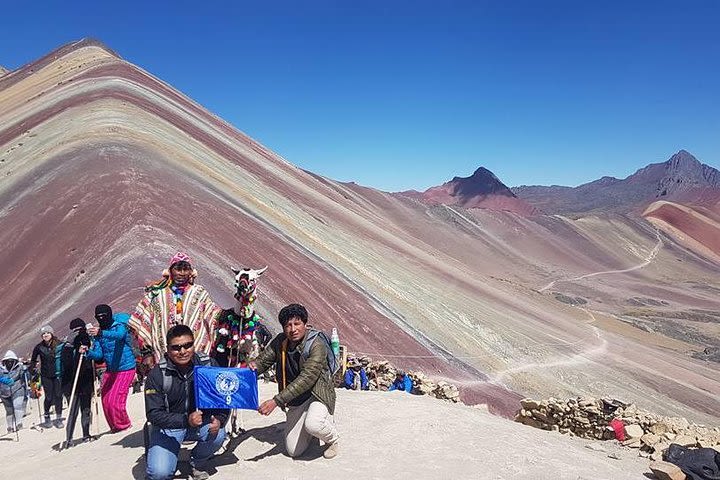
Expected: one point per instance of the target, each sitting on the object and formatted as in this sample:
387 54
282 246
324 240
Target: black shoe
199 474
58 423
88 439
47 423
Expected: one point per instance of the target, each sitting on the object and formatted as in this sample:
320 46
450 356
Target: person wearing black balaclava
114 345
85 382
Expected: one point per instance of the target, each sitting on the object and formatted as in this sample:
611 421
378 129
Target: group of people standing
171 330
176 334
66 368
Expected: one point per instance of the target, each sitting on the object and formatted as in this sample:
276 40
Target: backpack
695 463
310 337
318 335
132 342
167 379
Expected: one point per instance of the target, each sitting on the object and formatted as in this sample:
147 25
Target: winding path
594 350
651 256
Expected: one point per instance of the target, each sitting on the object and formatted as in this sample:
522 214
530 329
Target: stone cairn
590 418
381 375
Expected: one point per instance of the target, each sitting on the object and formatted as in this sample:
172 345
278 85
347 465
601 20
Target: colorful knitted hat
180 257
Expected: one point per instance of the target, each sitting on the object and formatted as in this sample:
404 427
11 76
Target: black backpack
167 379
696 463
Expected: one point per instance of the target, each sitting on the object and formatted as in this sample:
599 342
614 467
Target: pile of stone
590 418
381 375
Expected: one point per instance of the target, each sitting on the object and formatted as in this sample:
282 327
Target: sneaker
199 474
58 423
88 439
331 451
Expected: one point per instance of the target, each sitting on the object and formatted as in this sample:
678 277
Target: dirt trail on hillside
651 256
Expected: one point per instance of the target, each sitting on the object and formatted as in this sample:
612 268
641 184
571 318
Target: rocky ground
384 435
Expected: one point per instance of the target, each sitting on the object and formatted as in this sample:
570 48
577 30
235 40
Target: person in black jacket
49 352
85 382
170 409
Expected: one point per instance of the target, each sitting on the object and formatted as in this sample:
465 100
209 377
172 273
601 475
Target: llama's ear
261 271
235 270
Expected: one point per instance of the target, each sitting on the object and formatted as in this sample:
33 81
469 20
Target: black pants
80 402
53 395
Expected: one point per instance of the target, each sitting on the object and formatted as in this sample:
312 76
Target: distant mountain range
106 171
681 178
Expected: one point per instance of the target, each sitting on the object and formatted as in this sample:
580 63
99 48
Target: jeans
15 409
165 445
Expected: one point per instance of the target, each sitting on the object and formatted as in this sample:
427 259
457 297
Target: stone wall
590 418
381 375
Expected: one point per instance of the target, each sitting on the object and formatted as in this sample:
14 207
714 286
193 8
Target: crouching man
304 383
170 409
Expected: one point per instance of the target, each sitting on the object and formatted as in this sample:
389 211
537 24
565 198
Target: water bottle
335 342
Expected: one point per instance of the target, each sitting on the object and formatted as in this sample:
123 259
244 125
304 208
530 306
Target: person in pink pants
112 343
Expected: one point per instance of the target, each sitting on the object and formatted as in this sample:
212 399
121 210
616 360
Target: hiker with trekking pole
13 391
113 343
78 382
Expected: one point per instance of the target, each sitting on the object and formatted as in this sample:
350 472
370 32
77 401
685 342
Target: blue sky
407 94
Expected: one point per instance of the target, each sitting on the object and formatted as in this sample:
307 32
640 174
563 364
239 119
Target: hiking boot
331 451
58 423
199 474
47 423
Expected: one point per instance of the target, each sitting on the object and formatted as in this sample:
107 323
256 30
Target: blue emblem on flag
220 387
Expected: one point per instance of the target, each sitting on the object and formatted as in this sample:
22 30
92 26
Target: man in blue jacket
170 409
355 376
402 382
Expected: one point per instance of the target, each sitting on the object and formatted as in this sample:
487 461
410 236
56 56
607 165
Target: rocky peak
481 182
683 162
684 172
3 70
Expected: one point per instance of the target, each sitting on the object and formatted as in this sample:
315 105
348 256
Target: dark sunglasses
177 348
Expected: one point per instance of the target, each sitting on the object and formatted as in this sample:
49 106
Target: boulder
685 440
666 471
634 431
650 439
529 404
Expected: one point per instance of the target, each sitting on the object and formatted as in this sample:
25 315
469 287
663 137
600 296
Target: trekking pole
17 435
72 399
37 398
96 417
233 414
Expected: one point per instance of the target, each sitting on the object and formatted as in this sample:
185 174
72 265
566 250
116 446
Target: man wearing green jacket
305 387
